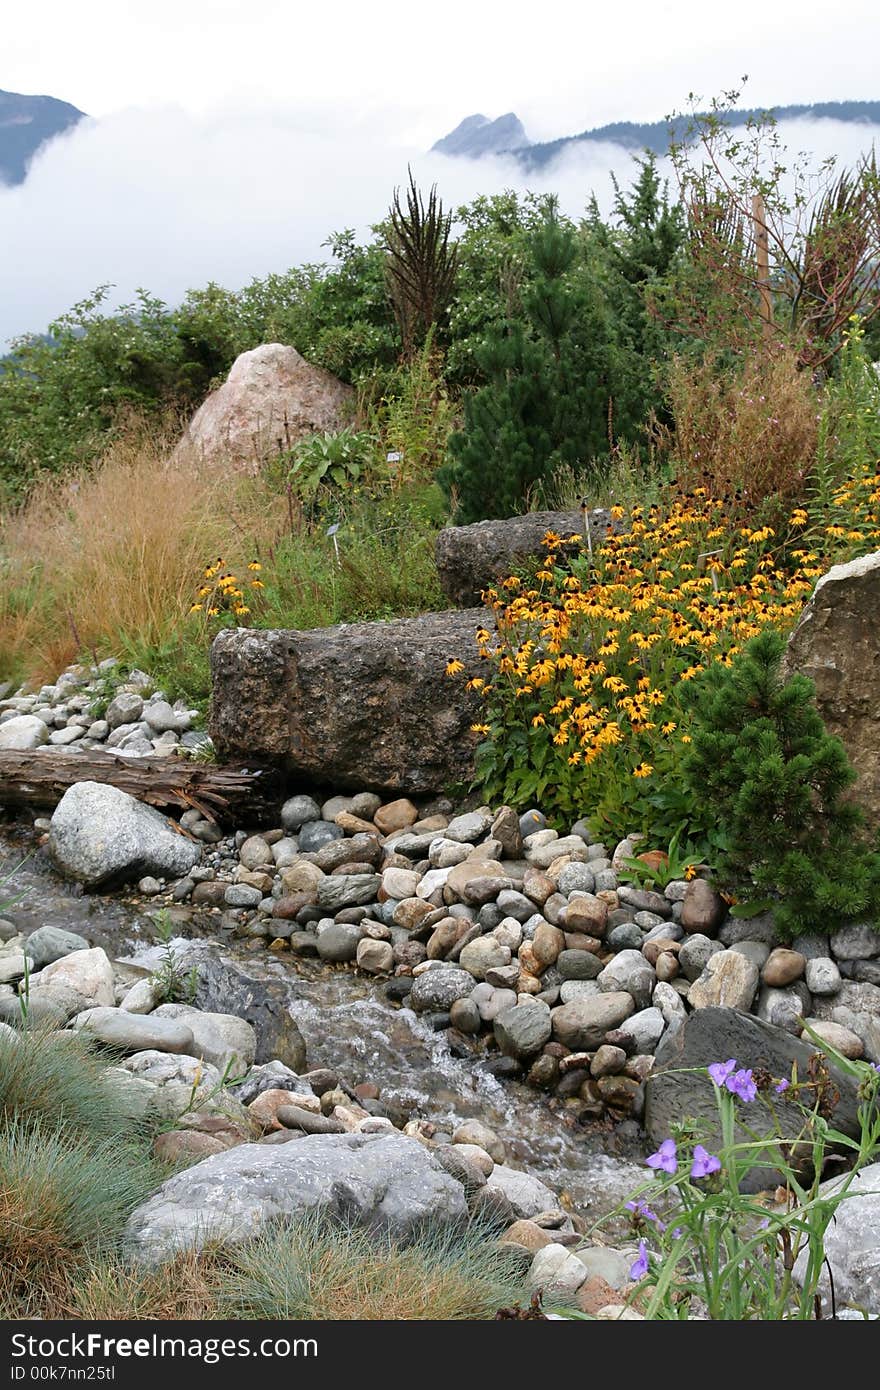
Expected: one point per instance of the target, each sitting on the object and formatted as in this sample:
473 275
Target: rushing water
349 1026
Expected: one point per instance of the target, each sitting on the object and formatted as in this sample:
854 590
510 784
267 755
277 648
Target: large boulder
385 1182
714 1035
852 1245
472 558
360 704
837 644
101 836
271 398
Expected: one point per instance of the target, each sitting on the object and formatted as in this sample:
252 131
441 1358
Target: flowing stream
348 1025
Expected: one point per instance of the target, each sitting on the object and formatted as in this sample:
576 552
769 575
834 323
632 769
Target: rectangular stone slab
359 705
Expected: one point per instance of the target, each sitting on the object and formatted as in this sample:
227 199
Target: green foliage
849 427
421 266
550 393
677 865
333 460
709 1249
775 780
172 984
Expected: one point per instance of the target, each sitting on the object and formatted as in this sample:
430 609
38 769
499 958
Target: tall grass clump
62 1085
62 1199
749 432
319 1269
109 561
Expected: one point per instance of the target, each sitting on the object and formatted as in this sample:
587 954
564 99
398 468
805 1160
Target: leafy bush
761 759
594 653
334 460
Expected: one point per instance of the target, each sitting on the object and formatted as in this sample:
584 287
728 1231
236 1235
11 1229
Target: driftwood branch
220 792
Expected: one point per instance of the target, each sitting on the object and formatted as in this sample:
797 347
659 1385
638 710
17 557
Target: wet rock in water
223 987
101 836
385 1182
269 1076
523 1030
338 941
48 944
439 988
474 1132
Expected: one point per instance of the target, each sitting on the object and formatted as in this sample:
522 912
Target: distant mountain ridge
477 136
26 123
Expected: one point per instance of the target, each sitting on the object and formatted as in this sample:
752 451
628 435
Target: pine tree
549 386
762 760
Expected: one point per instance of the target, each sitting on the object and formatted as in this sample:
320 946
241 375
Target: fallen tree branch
219 792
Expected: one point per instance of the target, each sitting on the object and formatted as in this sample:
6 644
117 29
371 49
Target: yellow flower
240 609
668 728
538 721
257 584
643 770
480 728
454 667
212 612
255 565
196 608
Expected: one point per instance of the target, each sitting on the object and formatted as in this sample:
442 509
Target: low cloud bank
162 200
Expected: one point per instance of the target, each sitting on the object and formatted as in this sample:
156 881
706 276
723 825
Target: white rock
88 972
23 733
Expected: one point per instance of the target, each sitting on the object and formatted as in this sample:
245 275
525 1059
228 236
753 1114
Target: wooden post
762 251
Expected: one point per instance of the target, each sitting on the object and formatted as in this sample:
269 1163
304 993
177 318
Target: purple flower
742 1085
640 1266
665 1157
641 1208
875 1066
676 1232
720 1071
781 1086
704 1163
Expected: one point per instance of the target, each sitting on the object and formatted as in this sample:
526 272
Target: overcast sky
231 137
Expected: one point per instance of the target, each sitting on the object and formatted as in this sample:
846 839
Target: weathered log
220 792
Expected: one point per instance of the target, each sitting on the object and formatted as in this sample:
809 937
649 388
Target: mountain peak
477 135
26 123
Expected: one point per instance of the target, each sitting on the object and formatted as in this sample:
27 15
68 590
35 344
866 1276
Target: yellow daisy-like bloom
196 608
643 770
212 612
257 584
480 728
668 728
240 609
538 721
255 565
454 667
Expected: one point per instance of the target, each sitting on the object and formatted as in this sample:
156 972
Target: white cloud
167 200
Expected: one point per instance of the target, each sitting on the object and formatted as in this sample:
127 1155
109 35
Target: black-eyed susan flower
454 667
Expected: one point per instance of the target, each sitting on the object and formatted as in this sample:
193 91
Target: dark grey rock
472 558
52 943
712 1035
308 701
